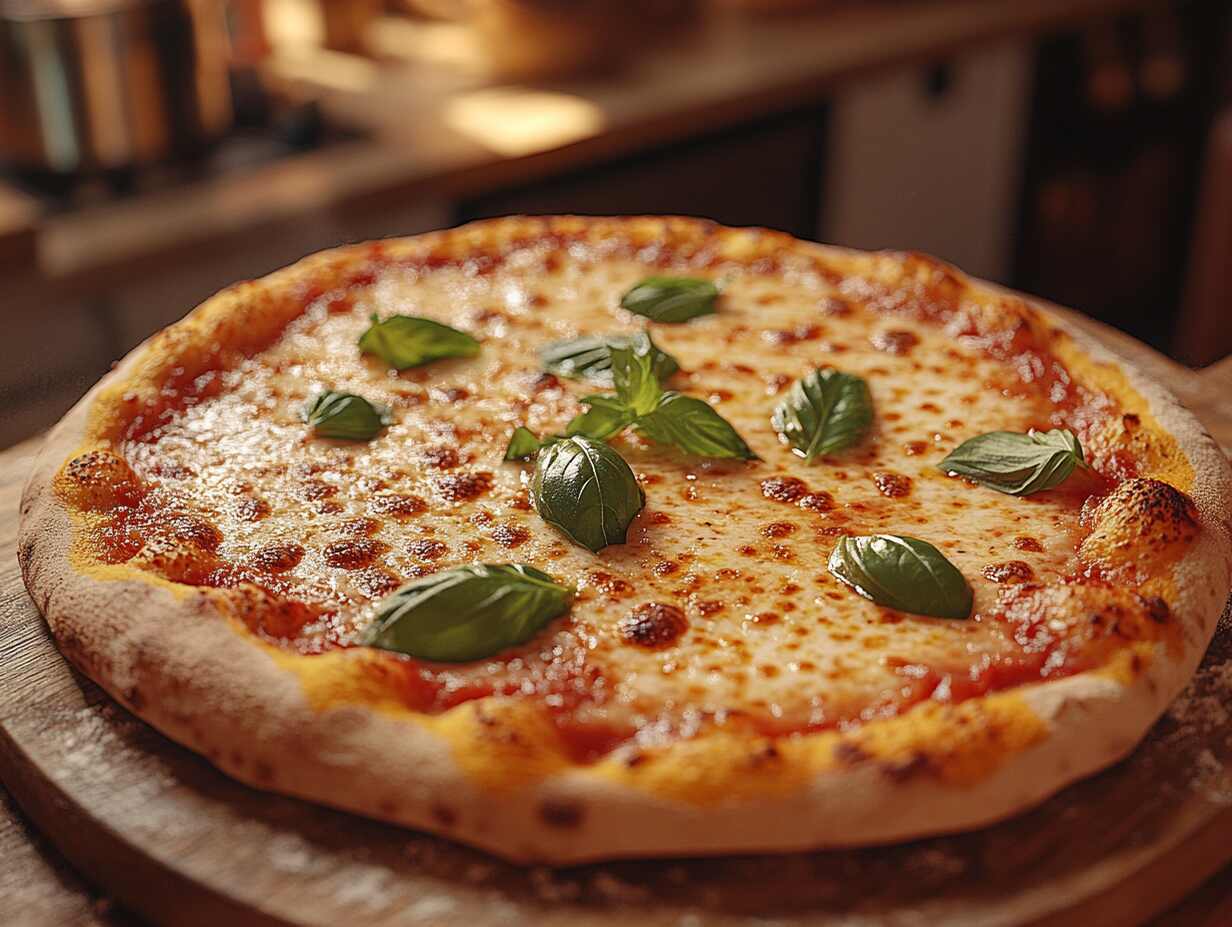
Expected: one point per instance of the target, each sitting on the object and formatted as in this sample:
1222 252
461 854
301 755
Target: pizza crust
487 772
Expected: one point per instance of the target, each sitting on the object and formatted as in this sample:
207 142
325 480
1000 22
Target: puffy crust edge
169 656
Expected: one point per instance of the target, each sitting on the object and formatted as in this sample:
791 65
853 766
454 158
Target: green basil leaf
1015 463
345 417
824 412
468 613
605 417
633 375
693 426
906 574
586 489
523 444
404 341
671 299
589 358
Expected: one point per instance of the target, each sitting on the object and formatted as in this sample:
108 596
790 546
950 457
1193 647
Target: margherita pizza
581 538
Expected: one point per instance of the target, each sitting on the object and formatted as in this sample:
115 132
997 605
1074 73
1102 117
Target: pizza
580 538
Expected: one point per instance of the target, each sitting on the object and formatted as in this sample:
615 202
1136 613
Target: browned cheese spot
462 487
1011 571
397 504
892 485
895 341
427 549
353 554
510 535
784 488
653 625
276 558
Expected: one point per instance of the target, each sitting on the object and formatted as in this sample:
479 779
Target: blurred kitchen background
153 151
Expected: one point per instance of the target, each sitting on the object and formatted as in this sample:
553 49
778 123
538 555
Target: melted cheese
739 549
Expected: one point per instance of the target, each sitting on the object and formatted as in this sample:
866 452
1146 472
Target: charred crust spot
904 769
784 488
400 505
100 479
765 754
1023 542
26 554
1141 521
653 625
441 457
563 815
510 535
895 341
276 558
850 754
462 487
1010 571
892 485
1156 609
427 549
353 554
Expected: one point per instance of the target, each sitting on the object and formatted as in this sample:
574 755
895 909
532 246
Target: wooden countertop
432 131
39 889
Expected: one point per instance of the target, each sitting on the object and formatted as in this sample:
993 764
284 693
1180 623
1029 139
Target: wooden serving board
177 841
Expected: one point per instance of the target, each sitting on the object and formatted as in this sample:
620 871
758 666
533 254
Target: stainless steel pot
94 85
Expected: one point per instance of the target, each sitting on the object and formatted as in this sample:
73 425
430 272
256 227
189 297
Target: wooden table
39 889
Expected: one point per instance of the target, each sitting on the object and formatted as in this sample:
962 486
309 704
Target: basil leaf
586 489
671 299
522 444
404 341
633 375
345 417
468 613
607 416
693 426
1017 464
906 574
824 412
589 358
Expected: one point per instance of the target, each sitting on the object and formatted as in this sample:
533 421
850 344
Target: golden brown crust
493 772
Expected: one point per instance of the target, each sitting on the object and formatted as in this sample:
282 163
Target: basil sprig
468 613
665 417
345 417
903 573
405 341
1017 464
586 489
825 412
671 299
523 444
589 358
